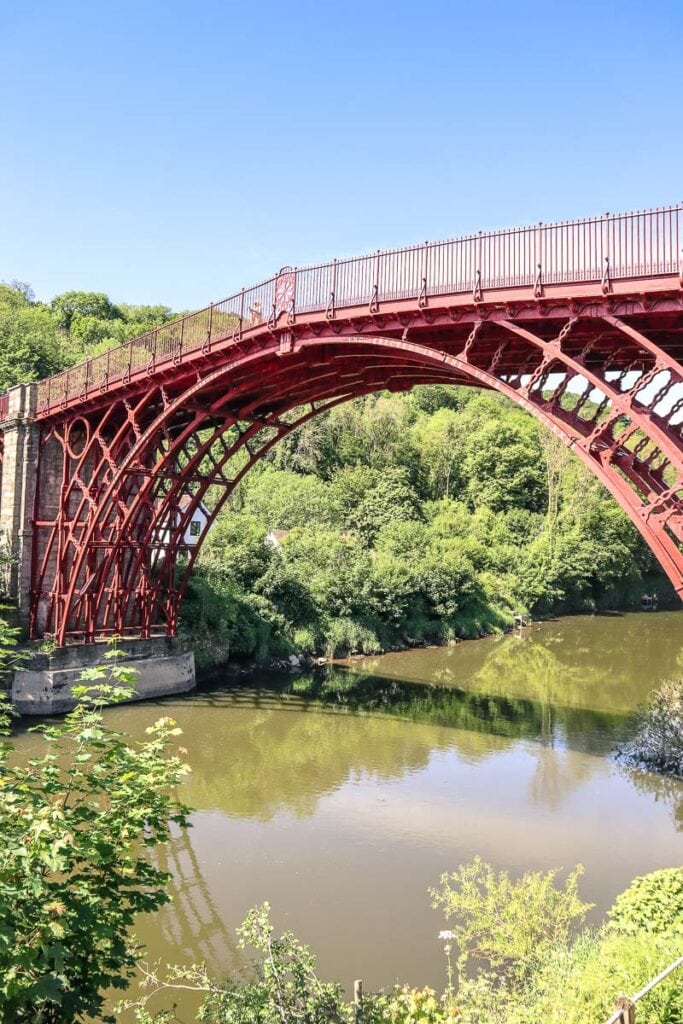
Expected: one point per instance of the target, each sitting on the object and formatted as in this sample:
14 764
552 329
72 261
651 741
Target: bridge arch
142 487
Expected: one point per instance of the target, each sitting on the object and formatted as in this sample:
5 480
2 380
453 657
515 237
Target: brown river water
340 796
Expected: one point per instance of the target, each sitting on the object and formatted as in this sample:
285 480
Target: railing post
628 1009
358 1001
422 296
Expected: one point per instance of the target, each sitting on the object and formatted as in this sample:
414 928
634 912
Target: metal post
358 1001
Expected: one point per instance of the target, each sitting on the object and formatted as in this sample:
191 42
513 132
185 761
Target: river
340 796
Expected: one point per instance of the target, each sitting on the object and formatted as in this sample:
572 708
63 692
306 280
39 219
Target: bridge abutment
44 687
17 494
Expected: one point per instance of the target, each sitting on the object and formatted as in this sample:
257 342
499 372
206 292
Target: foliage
512 964
284 985
38 339
406 1005
652 903
509 924
581 981
527 964
283 500
412 518
658 740
75 305
76 827
29 342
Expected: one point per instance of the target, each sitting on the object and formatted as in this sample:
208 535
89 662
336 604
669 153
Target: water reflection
599 663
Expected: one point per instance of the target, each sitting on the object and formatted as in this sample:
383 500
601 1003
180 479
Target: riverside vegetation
430 516
426 516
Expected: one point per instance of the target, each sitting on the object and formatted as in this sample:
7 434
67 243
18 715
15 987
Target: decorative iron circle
78 437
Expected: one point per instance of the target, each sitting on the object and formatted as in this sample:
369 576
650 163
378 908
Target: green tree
29 344
76 827
441 451
69 305
369 499
281 500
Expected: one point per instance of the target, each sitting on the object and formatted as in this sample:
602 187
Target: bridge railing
625 1012
607 248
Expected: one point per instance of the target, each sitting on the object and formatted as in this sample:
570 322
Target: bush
406 1005
538 971
652 903
76 825
658 739
580 982
508 924
345 636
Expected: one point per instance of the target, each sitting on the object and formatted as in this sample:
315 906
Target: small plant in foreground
506 923
539 969
283 986
76 825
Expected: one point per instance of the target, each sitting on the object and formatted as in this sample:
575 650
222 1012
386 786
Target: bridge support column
17 494
43 687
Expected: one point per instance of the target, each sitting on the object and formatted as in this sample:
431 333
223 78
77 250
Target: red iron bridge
105 464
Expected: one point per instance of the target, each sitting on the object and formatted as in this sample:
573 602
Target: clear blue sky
173 152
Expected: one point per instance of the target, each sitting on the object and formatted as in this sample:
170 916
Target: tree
29 345
69 305
503 466
282 500
24 288
441 452
368 499
76 825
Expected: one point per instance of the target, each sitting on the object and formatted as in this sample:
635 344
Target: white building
194 530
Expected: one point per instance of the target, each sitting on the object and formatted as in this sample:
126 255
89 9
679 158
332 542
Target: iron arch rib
121 559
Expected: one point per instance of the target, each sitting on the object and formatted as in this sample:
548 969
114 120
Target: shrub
346 636
652 903
658 739
406 1005
507 923
75 827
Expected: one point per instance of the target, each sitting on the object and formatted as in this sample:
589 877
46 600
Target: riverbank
212 657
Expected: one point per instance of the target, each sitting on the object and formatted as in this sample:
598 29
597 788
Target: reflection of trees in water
285 752
607 663
303 736
475 710
556 776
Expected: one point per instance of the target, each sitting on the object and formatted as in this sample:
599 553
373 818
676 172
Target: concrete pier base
43 687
